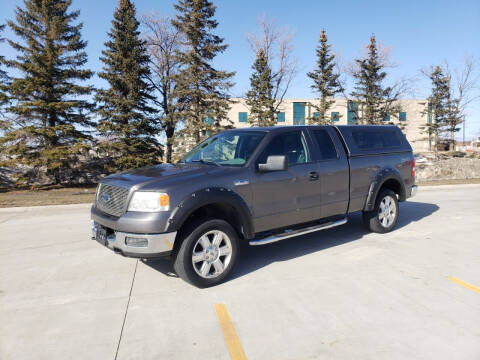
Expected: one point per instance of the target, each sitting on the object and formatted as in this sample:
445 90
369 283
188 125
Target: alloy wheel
211 254
387 211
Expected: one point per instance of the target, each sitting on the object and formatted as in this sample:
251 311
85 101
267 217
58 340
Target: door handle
313 175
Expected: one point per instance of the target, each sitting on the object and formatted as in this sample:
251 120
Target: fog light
136 242
93 225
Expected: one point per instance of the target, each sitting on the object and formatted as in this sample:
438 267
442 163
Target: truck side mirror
274 163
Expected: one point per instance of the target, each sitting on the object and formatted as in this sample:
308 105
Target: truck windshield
226 149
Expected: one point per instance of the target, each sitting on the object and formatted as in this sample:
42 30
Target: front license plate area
101 235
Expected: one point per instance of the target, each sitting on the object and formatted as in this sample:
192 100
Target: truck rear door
333 170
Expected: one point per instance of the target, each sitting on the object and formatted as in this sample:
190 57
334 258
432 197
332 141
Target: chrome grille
112 199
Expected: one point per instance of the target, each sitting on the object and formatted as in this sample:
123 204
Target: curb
446 186
18 209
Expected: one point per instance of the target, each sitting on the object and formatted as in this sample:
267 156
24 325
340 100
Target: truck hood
159 175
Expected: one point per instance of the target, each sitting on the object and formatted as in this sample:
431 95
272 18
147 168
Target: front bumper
145 245
133 221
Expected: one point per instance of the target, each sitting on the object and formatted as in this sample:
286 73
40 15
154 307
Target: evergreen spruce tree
325 81
259 98
4 79
50 112
3 73
453 119
439 109
375 101
124 107
201 89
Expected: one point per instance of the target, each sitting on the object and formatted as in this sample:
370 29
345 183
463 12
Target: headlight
149 201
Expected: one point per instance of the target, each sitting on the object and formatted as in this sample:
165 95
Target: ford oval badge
105 198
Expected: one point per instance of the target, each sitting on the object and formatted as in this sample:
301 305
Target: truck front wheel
207 253
384 216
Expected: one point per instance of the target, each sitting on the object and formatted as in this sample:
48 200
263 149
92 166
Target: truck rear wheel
383 217
208 253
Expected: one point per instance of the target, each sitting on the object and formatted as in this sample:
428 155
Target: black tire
183 259
376 219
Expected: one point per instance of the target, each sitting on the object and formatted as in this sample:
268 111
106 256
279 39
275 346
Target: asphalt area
342 293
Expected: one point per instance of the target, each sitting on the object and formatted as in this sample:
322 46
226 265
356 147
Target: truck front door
283 198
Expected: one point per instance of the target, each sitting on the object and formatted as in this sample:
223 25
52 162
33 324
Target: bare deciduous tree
163 40
465 90
277 45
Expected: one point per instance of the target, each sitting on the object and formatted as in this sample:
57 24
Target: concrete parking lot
342 293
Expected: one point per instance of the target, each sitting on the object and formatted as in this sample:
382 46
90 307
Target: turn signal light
164 200
413 168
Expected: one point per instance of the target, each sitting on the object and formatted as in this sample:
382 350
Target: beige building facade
414 114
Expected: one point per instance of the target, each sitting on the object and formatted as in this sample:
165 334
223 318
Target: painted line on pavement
464 284
229 334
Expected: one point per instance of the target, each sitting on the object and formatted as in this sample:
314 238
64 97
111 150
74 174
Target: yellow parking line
463 283
229 334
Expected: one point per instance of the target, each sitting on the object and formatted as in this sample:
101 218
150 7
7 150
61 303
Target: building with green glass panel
242 116
299 113
414 114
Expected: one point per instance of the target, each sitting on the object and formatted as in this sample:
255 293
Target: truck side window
375 140
325 145
291 144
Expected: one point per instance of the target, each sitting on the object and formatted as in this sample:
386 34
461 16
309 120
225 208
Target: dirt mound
447 169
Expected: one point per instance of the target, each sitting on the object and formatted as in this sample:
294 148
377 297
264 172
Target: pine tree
201 89
325 81
49 104
124 107
439 109
375 101
259 98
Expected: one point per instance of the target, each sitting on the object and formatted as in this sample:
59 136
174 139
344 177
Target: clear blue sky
421 33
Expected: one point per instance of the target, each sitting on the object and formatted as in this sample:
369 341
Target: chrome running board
291 233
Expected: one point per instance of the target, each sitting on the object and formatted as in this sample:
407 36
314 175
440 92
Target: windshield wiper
207 162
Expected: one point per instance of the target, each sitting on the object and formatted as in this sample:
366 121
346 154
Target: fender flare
382 176
208 196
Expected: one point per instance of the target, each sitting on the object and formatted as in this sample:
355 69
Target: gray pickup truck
255 185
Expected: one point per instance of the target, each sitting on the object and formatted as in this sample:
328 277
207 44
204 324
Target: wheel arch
214 202
388 178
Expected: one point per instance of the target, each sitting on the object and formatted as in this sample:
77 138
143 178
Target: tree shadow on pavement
255 257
